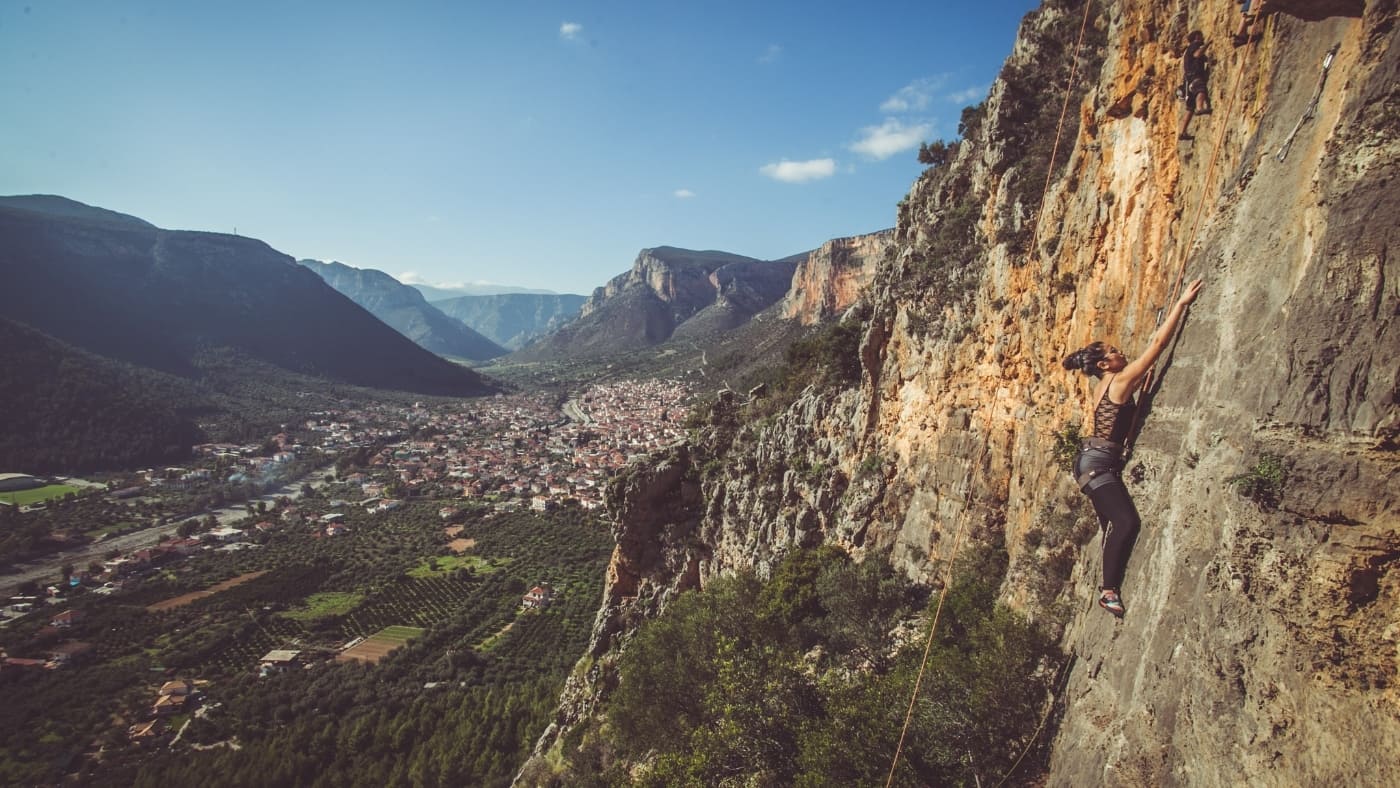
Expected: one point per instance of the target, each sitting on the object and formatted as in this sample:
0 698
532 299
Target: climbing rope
957 539
1059 127
1064 679
938 610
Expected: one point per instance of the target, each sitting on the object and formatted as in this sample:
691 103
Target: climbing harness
1103 466
1311 111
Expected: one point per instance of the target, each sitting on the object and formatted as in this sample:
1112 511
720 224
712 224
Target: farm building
279 660
538 597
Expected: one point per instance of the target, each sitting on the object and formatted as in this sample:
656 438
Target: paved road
50 568
575 412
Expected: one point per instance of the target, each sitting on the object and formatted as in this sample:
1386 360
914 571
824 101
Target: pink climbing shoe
1110 601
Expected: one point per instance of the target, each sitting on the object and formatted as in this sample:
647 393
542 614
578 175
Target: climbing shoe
1240 40
1187 137
1205 111
1111 602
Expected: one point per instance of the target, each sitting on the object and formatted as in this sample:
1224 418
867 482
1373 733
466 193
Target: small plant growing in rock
1263 482
871 465
1066 447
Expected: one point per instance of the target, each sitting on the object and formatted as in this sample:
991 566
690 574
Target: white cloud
889 138
412 278
913 97
683 194
799 171
971 95
771 54
570 30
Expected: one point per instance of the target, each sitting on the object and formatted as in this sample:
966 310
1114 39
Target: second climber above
1194 71
1098 466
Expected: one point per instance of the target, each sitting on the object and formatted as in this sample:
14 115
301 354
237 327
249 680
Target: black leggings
1120 522
1117 516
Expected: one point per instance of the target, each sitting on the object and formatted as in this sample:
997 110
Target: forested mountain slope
121 288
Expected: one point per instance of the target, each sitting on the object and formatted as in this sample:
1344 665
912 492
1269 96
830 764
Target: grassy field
446 564
400 634
326 604
113 528
26 497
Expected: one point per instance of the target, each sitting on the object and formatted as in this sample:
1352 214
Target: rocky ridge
1260 640
832 278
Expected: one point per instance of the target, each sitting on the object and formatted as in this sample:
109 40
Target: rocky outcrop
832 278
668 292
1260 640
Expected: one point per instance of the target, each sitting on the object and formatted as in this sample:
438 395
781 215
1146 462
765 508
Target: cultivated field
185 599
377 646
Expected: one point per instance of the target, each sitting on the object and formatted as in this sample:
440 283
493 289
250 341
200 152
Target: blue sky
539 144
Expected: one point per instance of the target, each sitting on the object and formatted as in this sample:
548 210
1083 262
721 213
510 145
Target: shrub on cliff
795 681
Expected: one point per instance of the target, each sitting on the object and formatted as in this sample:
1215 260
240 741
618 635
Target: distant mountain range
436 293
513 319
406 310
119 288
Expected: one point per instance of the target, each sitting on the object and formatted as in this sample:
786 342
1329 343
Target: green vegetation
445 564
335 723
1031 106
936 154
1066 448
873 464
828 358
27 497
796 682
1263 482
945 267
325 604
398 634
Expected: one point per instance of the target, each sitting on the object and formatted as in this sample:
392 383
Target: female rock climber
1100 461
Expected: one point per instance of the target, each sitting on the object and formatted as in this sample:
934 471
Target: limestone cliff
1261 643
834 276
666 290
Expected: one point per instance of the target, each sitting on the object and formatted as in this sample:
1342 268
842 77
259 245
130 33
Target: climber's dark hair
1196 37
1087 358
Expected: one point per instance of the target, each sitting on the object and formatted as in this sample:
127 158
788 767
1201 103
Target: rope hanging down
957 539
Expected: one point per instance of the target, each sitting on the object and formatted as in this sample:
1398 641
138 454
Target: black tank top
1112 420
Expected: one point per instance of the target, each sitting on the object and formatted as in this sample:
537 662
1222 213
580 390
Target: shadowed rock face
1258 642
